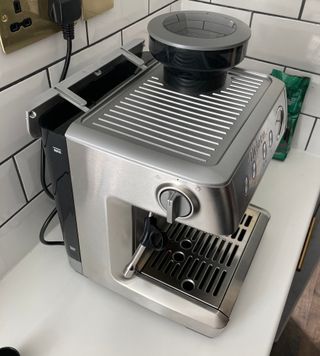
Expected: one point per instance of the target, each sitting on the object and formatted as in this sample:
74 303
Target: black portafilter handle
8 351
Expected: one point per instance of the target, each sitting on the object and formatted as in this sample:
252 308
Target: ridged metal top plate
197 127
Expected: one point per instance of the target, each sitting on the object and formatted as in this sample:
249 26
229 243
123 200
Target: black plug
65 13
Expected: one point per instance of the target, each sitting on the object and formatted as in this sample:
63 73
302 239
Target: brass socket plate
37 25
41 26
93 8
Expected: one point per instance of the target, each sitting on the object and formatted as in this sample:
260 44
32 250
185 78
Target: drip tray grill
201 265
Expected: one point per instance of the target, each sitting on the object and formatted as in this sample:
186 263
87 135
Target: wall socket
23 22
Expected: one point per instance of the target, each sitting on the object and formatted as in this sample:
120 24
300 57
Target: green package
296 90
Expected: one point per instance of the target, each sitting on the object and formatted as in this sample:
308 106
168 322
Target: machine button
246 186
264 150
270 138
279 121
176 203
254 169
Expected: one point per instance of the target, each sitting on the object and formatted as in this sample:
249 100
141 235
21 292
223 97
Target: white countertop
47 309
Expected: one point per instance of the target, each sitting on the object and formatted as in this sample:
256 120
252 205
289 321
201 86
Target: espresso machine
154 158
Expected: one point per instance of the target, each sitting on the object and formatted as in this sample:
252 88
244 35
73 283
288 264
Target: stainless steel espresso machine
154 160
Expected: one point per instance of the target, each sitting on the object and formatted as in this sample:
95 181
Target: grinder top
199 30
197 48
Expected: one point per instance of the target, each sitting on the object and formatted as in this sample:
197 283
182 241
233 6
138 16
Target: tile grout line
313 126
19 210
303 3
251 18
312 116
87 32
282 65
260 12
18 151
121 37
20 179
48 77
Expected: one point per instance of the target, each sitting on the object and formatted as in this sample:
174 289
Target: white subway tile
311 11
29 59
239 14
176 6
311 105
302 132
21 233
13 103
258 66
314 143
85 57
28 162
287 42
157 4
12 197
139 29
278 7
122 14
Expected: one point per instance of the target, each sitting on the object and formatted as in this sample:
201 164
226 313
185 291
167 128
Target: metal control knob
176 203
279 121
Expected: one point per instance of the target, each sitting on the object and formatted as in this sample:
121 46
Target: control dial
176 203
279 121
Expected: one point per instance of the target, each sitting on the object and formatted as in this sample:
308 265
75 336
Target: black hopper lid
197 47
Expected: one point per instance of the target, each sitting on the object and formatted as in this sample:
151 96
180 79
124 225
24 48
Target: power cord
63 13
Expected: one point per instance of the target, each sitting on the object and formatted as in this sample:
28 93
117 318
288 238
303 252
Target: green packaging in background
296 90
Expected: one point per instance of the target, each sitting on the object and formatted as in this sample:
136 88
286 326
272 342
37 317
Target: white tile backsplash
302 132
314 143
157 4
311 105
258 66
85 57
176 6
29 59
286 42
289 8
11 193
239 14
13 103
21 233
311 11
124 13
139 29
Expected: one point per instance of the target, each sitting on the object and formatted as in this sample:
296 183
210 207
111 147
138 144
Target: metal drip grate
194 127
199 264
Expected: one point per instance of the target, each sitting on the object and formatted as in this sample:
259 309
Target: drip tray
206 267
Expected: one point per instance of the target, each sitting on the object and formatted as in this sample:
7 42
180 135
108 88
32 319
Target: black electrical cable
67 58
68 34
44 228
43 173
